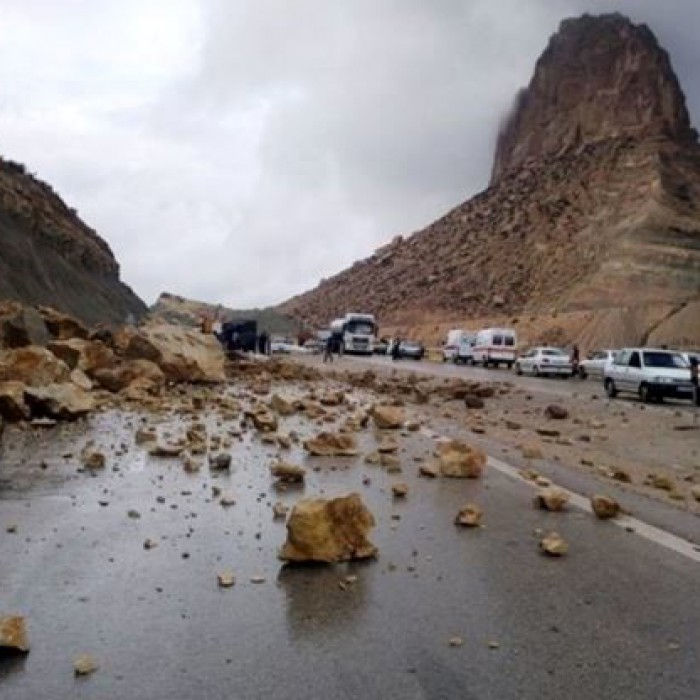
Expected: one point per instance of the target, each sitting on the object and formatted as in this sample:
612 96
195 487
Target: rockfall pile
50 256
53 367
592 213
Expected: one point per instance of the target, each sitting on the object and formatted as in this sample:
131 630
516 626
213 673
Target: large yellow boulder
329 530
459 460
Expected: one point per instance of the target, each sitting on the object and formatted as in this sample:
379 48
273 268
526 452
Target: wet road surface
619 617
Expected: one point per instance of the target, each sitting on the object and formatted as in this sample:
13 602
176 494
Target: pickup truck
650 373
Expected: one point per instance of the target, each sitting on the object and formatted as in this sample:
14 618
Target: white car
594 365
544 361
650 373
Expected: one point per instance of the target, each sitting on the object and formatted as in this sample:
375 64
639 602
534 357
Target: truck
358 332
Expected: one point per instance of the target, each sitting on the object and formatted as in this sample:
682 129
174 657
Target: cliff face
594 205
49 256
600 78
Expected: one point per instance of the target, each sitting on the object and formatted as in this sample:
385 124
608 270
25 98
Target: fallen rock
288 473
605 507
166 449
556 412
473 401
390 462
388 417
13 634
12 404
399 489
388 445
220 462
84 665
59 401
327 444
532 450
460 460
553 545
93 459
429 471
329 531
265 421
225 579
34 366
552 499
282 406
695 493
469 515
279 511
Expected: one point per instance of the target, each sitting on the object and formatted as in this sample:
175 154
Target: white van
459 346
495 346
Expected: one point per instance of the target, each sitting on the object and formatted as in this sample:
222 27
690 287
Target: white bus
495 346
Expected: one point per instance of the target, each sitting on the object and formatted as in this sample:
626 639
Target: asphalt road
619 617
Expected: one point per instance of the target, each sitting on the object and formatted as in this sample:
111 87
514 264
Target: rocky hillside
172 308
593 211
49 256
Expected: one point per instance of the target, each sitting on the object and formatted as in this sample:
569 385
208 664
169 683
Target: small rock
280 510
605 507
13 634
225 579
133 514
556 412
92 459
552 499
220 462
469 516
257 579
84 665
428 471
149 544
288 473
532 451
695 493
456 641
399 489
553 545
473 401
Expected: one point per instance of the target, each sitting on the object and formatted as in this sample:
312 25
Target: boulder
13 634
469 515
59 401
605 507
263 420
146 374
86 355
61 326
12 404
460 460
21 326
552 499
34 366
388 417
185 355
321 530
288 473
81 380
399 489
282 406
473 401
327 444
556 412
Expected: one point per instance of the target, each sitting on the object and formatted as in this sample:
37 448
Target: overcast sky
237 151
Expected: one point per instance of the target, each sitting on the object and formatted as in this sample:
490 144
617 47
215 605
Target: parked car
594 365
650 373
495 346
411 349
314 345
544 361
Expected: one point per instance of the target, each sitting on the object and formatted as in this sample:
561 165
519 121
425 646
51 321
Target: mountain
49 256
172 308
590 228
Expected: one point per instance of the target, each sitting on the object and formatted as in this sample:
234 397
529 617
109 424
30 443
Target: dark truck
239 336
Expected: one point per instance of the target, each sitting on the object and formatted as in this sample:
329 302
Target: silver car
544 361
594 365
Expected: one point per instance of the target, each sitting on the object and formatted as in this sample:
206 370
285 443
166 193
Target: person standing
328 352
395 354
694 380
575 360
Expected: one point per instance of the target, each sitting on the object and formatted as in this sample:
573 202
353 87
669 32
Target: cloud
240 151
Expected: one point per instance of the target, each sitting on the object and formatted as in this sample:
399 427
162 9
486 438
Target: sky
239 151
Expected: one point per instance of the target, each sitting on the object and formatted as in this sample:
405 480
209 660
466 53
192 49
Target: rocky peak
600 77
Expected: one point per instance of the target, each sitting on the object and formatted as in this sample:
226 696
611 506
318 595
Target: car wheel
582 373
610 388
646 394
518 369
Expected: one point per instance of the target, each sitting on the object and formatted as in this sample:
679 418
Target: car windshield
553 352
410 344
665 359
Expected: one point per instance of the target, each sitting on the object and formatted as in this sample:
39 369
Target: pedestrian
328 352
575 360
694 379
395 349
262 343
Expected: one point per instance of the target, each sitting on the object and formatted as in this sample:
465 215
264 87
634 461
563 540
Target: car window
622 358
510 340
635 360
497 340
553 352
671 360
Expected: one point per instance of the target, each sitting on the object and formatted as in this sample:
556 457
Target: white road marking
649 532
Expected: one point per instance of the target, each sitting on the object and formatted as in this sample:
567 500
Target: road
619 617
